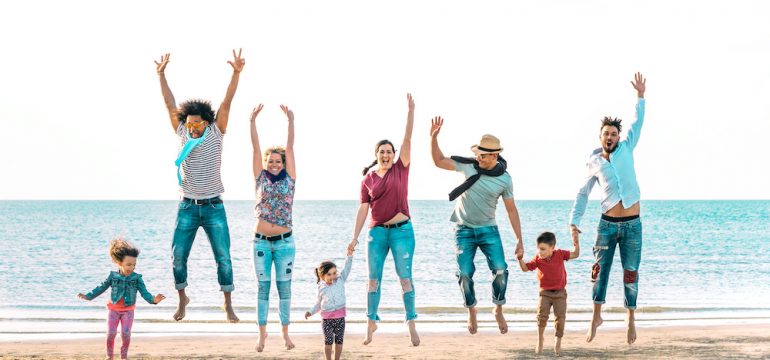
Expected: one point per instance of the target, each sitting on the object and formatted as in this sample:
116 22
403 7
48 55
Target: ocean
703 262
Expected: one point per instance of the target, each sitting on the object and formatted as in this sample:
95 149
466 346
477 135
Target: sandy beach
663 342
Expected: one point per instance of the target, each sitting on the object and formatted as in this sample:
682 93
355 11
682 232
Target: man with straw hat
486 180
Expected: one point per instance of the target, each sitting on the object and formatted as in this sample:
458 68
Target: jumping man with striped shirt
199 175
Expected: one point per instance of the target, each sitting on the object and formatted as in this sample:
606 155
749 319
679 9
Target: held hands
161 66
83 297
411 102
639 84
307 314
435 126
352 247
256 111
238 61
519 250
574 232
158 298
288 112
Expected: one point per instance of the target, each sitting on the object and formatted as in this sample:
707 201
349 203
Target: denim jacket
123 287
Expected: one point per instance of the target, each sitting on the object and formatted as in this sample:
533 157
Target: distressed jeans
487 238
627 235
213 219
281 252
400 242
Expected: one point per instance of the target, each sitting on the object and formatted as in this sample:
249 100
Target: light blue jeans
281 252
626 235
486 238
399 241
213 219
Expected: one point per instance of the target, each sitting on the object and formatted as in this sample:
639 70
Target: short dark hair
547 238
120 248
611 121
196 107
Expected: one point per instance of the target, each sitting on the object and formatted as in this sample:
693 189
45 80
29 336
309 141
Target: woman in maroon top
385 192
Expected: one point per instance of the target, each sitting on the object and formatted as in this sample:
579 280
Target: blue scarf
189 145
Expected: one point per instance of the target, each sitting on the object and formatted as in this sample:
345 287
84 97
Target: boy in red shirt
552 275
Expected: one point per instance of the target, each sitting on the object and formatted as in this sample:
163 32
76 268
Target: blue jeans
628 236
400 241
281 252
486 238
213 219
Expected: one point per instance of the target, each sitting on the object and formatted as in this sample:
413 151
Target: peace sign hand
161 66
238 61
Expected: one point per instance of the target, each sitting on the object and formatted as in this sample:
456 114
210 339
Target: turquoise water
701 259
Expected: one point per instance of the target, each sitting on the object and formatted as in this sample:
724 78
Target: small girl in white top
331 303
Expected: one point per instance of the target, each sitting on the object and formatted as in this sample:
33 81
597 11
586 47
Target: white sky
83 118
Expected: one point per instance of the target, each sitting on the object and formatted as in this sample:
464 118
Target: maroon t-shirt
387 195
552 274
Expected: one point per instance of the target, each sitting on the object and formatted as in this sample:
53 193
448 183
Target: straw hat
489 144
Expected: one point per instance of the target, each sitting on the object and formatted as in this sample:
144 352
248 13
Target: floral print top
274 199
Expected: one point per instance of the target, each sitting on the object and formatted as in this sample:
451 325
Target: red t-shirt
551 272
387 195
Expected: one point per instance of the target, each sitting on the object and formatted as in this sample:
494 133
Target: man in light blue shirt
612 167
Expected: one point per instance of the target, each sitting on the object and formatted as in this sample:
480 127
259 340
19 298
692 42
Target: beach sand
751 341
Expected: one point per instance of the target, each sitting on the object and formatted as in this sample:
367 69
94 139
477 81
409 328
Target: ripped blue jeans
486 238
399 241
281 252
626 235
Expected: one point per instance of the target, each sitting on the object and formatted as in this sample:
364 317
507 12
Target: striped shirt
202 169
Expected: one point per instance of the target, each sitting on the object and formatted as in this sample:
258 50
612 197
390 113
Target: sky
83 118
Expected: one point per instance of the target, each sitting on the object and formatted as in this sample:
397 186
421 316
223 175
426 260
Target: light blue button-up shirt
616 177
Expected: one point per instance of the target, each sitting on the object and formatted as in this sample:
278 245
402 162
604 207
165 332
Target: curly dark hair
610 121
196 107
547 238
120 248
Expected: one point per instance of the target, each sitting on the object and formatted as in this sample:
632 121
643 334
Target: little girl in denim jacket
331 303
125 283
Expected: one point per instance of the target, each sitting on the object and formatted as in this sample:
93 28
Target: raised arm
348 265
575 253
406 145
290 169
513 217
223 114
363 211
438 157
168 97
257 157
632 137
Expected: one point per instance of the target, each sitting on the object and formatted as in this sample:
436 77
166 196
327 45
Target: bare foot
180 309
557 346
472 323
370 329
228 308
413 333
631 330
287 342
501 323
596 321
261 343
539 346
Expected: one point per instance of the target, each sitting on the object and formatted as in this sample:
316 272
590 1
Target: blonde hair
280 150
120 248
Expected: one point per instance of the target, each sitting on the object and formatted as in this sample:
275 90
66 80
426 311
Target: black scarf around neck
276 178
498 170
